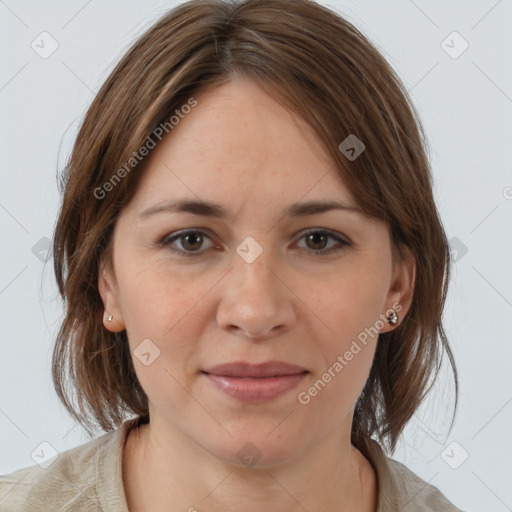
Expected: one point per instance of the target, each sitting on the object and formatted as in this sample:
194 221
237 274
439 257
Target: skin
241 148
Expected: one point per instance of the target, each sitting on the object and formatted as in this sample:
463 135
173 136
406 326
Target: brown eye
192 241
317 240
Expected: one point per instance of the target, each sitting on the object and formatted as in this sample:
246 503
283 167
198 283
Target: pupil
198 238
314 237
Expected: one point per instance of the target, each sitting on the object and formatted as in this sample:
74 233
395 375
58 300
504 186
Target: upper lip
243 369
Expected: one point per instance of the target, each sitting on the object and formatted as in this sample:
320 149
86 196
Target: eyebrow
216 210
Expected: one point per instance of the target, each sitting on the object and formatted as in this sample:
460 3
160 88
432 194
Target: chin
257 450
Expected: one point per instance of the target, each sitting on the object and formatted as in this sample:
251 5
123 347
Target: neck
161 465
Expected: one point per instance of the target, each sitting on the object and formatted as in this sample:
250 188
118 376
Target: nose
256 300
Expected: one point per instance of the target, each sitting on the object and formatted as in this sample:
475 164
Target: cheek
347 307
348 301
155 296
166 307
346 343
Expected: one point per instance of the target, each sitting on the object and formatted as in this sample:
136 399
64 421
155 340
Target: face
255 285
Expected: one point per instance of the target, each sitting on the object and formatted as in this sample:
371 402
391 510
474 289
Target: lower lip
250 389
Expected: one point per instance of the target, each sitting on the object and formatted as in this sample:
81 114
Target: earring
392 318
109 319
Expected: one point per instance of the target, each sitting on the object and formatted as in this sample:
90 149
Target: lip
243 369
255 383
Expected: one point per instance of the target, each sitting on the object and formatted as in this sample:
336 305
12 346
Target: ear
401 291
109 296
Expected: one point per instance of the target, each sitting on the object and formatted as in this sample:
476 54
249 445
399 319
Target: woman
254 271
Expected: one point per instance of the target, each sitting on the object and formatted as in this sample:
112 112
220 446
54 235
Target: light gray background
466 106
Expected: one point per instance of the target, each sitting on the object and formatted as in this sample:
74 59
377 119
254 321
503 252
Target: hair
323 69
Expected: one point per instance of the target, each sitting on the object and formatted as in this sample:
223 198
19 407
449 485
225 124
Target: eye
191 242
320 237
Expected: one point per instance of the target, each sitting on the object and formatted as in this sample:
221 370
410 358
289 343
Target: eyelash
168 239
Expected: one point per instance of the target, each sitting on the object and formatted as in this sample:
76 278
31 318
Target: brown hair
327 72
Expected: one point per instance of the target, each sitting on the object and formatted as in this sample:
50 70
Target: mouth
255 383
241 369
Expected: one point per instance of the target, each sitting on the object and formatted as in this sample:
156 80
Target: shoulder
76 479
401 489
416 494
69 480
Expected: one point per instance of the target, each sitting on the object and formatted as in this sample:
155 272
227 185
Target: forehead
236 145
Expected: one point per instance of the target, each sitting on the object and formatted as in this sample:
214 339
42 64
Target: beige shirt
89 478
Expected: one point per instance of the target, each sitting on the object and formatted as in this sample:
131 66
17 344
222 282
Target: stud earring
109 319
392 318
